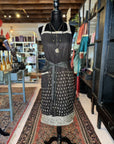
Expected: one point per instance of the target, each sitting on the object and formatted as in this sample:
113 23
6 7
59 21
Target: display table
7 78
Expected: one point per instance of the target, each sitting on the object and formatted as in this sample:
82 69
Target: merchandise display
26 46
5 60
9 61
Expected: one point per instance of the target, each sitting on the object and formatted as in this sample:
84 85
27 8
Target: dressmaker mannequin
57 103
56 22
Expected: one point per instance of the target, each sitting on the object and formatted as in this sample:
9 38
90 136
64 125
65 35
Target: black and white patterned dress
58 81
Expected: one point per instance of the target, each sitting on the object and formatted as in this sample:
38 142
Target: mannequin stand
59 138
4 133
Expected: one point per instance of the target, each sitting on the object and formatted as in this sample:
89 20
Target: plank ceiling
34 11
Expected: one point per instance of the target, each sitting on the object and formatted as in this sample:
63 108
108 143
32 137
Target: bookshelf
26 45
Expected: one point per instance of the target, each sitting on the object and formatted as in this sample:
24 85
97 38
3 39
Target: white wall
22 27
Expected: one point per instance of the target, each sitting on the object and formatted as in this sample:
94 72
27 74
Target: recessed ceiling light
18 15
28 16
64 15
9 16
5 16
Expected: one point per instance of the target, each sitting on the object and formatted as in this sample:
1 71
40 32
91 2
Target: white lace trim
56 32
57 120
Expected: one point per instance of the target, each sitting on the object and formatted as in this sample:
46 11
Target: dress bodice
57 44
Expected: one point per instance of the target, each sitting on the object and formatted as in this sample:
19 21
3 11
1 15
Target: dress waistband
63 64
48 65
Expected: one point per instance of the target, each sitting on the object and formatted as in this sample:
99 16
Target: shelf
111 40
27 52
26 45
86 79
30 63
23 42
29 47
91 44
111 75
92 16
100 9
97 69
41 58
109 107
98 41
94 95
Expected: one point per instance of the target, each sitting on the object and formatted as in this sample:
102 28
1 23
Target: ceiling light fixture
18 15
5 16
9 16
64 15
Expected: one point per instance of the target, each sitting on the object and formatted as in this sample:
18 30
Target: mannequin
58 79
56 21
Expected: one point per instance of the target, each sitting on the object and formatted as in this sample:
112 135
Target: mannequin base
59 138
4 133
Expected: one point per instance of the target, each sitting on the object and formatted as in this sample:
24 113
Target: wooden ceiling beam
29 20
40 1
25 16
36 7
25 20
49 11
30 16
35 11
13 13
38 10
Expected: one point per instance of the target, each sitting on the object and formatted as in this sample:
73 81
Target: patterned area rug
80 131
18 107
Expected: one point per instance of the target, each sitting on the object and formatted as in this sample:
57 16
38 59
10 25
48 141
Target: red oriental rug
18 109
78 132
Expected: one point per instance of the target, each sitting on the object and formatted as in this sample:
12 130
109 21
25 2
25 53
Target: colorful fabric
74 43
74 47
82 49
75 56
72 63
76 61
82 31
84 43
